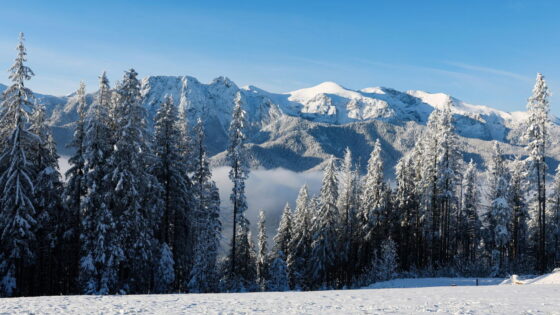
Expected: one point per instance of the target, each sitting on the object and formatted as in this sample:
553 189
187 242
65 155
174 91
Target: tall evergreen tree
520 215
51 219
407 206
498 216
75 186
19 217
300 243
348 205
135 190
237 159
536 135
101 251
448 162
373 212
75 190
324 240
207 226
470 225
170 169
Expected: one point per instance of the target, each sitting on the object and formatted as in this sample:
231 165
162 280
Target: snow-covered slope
298 130
543 299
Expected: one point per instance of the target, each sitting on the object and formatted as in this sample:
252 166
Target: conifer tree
237 159
324 240
470 222
519 230
47 199
348 205
536 135
262 253
101 251
373 210
135 191
19 217
448 162
407 206
75 186
207 226
300 243
498 216
170 169
75 191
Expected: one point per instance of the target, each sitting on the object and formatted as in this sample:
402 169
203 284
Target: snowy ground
436 296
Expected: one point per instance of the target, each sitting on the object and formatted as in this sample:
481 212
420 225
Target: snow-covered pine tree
436 160
349 193
101 251
348 205
170 169
237 159
425 161
47 199
407 208
325 234
18 219
536 135
498 216
207 225
373 212
283 238
448 161
262 253
300 243
469 226
520 215
75 182
74 192
134 199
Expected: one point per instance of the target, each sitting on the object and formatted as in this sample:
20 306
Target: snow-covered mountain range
298 130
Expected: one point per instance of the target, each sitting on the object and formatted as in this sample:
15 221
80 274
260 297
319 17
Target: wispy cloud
493 71
407 67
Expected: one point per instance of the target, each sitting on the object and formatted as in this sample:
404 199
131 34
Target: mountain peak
327 87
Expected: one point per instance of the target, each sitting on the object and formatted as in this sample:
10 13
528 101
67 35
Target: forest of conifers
138 211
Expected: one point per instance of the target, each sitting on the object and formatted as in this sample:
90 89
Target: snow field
437 296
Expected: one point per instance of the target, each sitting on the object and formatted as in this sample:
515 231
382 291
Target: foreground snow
491 299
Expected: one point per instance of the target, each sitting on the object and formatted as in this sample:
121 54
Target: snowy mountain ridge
298 130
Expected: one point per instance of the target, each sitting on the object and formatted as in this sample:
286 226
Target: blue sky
484 52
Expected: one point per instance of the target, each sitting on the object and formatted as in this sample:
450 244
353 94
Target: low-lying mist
267 190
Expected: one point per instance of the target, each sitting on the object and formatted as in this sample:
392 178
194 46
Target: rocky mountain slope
298 130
